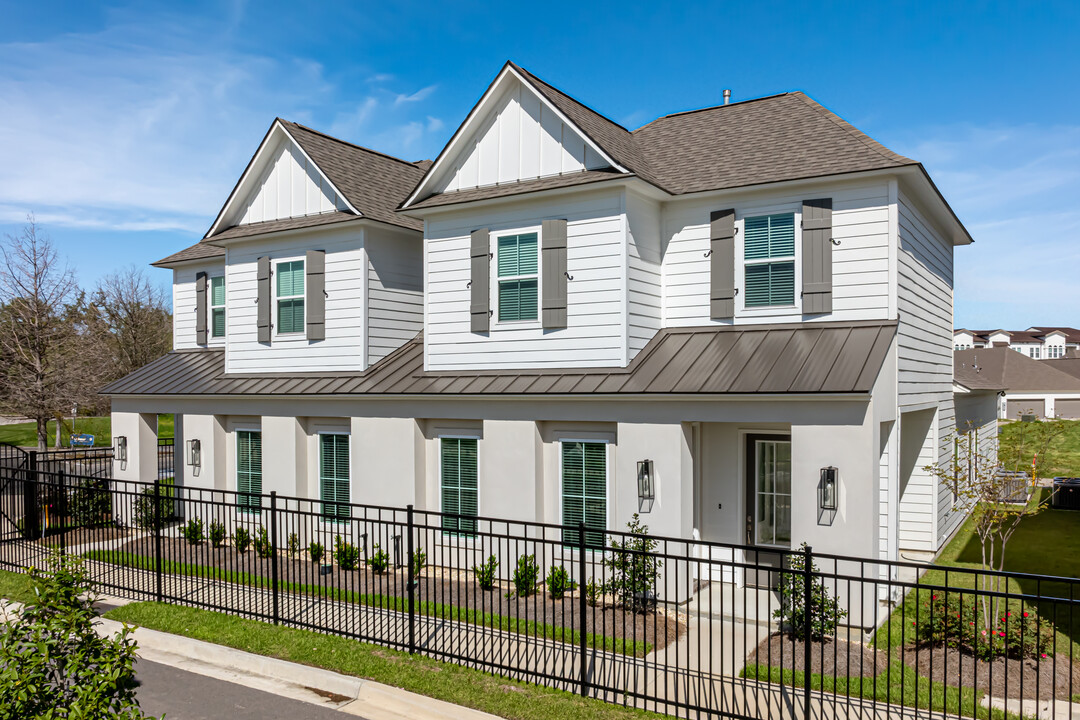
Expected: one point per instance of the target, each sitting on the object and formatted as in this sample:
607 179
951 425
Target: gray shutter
554 274
264 299
722 265
480 308
817 256
200 308
315 294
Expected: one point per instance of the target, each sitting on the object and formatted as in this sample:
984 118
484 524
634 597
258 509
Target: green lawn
1019 440
17 586
25 434
444 681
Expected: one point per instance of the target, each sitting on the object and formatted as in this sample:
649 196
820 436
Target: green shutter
291 316
290 284
249 470
517 299
217 322
217 306
764 237
290 278
334 476
458 475
584 466
517 255
217 291
770 284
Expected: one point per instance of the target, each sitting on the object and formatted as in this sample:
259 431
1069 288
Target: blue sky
123 127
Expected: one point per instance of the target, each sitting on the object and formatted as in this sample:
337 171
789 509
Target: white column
140 431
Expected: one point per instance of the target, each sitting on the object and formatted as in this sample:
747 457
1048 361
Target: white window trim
236 464
781 437
457 539
741 310
316 436
493 282
211 307
285 337
608 488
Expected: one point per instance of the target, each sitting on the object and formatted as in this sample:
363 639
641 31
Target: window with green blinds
334 476
249 470
217 307
584 491
518 267
769 260
458 479
290 294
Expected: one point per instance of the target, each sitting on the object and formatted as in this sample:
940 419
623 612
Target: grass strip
472 616
444 681
17 586
902 685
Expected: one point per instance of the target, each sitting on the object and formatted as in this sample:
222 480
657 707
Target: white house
744 295
1039 343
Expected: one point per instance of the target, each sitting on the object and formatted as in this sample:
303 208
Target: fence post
582 604
31 511
273 549
60 494
159 521
412 580
808 578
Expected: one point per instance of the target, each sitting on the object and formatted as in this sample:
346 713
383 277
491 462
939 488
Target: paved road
182 695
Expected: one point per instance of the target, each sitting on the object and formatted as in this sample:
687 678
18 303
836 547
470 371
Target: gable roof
198 251
1002 368
1031 335
799 358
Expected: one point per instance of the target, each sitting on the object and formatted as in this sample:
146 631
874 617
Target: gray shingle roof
198 251
1001 368
306 221
815 358
584 177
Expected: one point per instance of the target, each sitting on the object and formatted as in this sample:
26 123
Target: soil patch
831 656
1030 678
84 536
444 586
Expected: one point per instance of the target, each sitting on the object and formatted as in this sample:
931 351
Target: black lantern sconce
120 453
194 455
828 494
646 485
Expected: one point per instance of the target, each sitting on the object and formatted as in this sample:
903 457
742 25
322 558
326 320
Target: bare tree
135 322
42 372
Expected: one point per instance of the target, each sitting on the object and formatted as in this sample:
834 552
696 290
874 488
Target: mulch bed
437 585
828 657
84 536
1044 679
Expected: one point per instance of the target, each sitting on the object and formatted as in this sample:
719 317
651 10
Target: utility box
1066 493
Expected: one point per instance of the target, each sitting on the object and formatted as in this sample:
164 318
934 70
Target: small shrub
379 562
593 593
634 568
294 544
486 573
419 562
241 539
346 554
950 619
558 581
824 611
263 547
217 534
315 550
526 575
145 515
193 531
90 503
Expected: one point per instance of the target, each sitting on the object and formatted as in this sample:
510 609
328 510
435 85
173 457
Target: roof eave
613 181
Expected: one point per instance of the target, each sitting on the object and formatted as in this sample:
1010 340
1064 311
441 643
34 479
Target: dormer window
217 306
769 260
290 297
518 265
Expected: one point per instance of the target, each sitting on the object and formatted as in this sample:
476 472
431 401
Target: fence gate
15 463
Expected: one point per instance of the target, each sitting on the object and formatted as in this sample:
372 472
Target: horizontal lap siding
395 292
343 348
644 271
184 304
596 259
860 261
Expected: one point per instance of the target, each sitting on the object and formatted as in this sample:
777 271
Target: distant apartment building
1038 343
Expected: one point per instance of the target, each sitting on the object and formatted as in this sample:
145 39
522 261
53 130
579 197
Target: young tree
42 372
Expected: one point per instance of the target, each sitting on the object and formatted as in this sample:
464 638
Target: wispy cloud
419 95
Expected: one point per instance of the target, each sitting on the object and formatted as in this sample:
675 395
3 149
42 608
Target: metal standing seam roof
800 358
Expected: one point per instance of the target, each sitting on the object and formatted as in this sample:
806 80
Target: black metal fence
666 624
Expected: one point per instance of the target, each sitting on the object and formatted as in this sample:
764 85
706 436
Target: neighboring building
743 295
976 393
1026 386
1038 343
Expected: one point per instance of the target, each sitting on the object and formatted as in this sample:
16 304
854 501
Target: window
457 461
249 470
1036 352
584 490
773 489
290 297
334 476
769 260
518 269
217 307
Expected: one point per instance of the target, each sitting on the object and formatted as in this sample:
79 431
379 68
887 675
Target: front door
768 506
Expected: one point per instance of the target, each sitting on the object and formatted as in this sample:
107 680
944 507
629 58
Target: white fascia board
256 162
473 118
616 181
360 220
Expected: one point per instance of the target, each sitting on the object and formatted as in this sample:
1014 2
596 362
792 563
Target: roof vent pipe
727 96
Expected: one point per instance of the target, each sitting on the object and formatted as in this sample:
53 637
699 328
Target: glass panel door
772 492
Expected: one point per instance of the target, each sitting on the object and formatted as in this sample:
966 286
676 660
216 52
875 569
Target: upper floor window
217 306
518 270
290 297
769 260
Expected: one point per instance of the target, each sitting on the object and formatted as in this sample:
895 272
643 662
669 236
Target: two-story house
1039 343
752 301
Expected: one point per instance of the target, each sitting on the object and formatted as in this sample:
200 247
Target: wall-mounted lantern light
194 454
646 485
828 489
121 448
